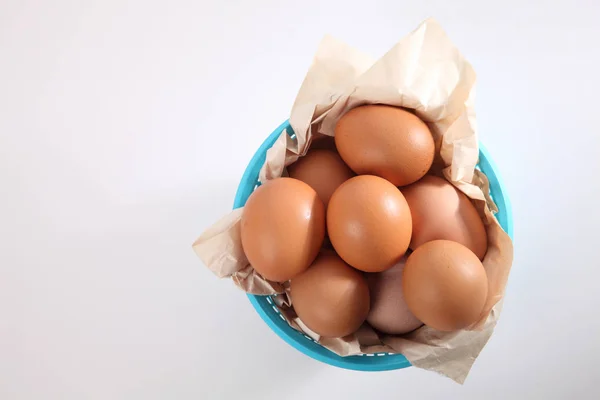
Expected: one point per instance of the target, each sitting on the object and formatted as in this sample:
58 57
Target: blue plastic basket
264 304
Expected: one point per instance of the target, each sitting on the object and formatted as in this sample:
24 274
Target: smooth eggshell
330 297
445 285
440 211
282 228
389 312
369 223
323 170
385 141
323 142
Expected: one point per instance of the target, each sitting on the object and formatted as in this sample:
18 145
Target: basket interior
266 308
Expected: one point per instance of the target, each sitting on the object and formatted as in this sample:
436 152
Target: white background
126 125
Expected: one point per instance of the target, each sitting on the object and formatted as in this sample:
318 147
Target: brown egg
440 211
445 285
385 141
323 170
369 223
282 228
323 142
330 297
389 312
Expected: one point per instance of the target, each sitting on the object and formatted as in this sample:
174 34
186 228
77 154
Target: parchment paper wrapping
423 72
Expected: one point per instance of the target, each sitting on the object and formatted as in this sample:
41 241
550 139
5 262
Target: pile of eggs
364 233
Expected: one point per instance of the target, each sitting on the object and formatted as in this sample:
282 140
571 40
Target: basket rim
297 339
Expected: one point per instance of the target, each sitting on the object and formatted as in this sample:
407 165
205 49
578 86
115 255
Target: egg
282 228
445 285
323 142
389 312
323 170
369 223
440 211
386 141
330 297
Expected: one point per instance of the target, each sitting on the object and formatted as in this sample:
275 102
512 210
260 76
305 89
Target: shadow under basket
266 308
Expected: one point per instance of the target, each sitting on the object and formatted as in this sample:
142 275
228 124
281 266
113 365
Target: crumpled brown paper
423 72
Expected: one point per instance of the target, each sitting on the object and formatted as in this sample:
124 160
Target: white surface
126 125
